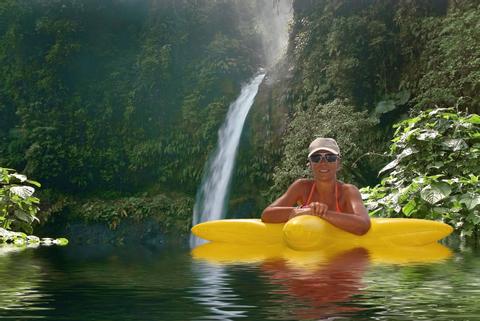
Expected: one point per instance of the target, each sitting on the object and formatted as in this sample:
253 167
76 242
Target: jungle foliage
173 214
386 54
434 173
118 94
119 97
122 98
18 206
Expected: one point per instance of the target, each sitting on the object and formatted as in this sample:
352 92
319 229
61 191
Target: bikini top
311 194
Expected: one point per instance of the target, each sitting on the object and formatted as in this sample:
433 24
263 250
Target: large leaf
406 152
389 166
435 192
474 217
22 191
455 144
427 134
470 201
20 177
406 135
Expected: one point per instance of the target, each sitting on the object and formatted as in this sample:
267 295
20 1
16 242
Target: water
167 283
211 197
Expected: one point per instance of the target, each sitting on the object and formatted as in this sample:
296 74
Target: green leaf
389 166
474 119
474 217
455 144
408 134
61 241
409 208
22 215
473 178
427 134
37 184
470 201
406 152
441 210
435 192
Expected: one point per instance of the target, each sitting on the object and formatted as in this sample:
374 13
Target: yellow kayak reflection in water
317 284
224 253
318 269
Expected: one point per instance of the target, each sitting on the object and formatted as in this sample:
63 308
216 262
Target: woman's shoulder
349 188
303 182
301 185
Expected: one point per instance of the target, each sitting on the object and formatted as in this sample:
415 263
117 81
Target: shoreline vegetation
18 211
116 114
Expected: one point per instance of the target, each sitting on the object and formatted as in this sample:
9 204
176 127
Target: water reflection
308 285
323 291
21 275
96 283
224 282
215 293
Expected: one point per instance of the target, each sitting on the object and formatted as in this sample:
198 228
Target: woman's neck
327 192
325 185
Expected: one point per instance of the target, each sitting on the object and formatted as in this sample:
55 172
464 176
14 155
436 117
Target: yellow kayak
307 232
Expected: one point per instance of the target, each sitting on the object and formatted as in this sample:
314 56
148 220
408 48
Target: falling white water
272 23
211 198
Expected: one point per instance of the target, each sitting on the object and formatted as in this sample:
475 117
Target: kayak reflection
224 253
322 291
317 284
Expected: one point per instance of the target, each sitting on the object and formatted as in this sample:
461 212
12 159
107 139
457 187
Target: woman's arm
281 210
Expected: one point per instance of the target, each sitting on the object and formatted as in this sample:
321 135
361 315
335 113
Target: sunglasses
330 158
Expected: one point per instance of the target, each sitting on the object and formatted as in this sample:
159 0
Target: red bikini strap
336 197
310 196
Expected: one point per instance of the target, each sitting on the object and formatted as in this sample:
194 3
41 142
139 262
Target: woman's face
324 165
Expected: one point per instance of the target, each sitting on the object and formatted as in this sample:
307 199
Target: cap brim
323 148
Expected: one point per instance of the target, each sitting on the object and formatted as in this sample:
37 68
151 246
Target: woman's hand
315 208
297 211
318 209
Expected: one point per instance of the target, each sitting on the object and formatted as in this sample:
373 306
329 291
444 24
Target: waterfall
272 23
211 197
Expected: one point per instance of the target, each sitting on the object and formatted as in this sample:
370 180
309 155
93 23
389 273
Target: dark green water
140 283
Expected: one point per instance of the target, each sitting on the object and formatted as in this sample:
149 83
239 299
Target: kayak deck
307 232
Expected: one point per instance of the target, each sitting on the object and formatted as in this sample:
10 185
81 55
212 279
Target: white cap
321 143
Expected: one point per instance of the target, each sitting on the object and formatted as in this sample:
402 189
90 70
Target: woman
338 203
